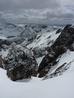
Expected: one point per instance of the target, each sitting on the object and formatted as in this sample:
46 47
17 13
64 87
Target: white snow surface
45 39
58 87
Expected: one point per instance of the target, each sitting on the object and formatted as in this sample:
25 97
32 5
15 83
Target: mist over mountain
37 16
38 11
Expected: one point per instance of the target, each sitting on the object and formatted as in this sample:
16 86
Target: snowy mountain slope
59 87
46 87
67 59
44 39
61 45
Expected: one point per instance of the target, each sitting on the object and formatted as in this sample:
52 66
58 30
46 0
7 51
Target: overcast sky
34 4
52 10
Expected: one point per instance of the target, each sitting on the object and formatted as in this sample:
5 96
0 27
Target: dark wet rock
46 64
44 26
72 47
67 26
4 42
38 52
1 61
58 31
18 73
64 41
11 36
20 63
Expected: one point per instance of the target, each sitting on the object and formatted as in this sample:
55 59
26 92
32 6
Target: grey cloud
28 4
53 11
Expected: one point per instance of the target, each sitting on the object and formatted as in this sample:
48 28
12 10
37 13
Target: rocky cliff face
61 45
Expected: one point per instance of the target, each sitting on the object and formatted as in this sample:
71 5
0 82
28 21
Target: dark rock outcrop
1 62
20 63
64 41
58 31
4 42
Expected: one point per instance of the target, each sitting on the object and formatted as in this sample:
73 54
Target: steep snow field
44 39
58 87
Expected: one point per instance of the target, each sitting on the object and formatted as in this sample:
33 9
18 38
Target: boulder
20 63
